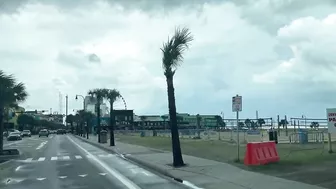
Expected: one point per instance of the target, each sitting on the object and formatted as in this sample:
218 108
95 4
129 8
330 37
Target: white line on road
40 179
103 174
29 160
18 168
66 157
83 175
191 185
129 184
41 145
53 158
62 177
78 157
41 159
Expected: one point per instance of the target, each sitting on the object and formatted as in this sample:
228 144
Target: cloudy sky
278 54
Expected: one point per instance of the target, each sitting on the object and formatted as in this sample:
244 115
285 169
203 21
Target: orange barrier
261 153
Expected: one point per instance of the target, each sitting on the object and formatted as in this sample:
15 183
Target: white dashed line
78 157
28 160
66 157
53 158
41 159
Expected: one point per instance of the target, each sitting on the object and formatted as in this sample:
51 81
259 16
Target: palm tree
248 123
261 121
112 95
99 95
172 52
11 93
86 117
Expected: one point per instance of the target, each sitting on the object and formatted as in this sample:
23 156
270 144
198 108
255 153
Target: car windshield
14 133
25 131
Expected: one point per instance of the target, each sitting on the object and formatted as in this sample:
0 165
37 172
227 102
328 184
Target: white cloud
273 62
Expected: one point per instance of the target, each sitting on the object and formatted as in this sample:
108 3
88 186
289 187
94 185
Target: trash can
103 136
303 137
273 135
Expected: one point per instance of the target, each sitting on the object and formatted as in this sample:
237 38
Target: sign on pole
331 115
237 105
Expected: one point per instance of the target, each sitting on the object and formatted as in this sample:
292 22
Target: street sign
237 103
331 115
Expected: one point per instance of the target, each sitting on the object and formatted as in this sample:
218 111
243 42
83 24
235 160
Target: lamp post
83 100
305 121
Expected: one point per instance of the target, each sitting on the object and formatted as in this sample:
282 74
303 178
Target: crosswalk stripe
66 157
78 157
41 159
53 158
28 159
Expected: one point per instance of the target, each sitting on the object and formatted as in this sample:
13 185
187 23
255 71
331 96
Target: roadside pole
331 116
237 107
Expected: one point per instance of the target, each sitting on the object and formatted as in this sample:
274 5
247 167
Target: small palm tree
11 93
172 52
86 117
99 95
112 95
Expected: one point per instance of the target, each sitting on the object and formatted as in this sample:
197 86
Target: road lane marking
53 158
128 183
41 159
83 175
62 177
191 185
18 168
66 157
28 160
41 145
39 179
103 174
78 157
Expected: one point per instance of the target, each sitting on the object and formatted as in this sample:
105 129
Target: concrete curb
141 163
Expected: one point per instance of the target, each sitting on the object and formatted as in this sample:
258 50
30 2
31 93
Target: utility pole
257 117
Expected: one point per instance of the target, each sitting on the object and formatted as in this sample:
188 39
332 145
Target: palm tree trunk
1 129
98 119
111 125
87 130
177 154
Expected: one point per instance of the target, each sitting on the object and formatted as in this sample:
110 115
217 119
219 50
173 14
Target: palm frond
174 48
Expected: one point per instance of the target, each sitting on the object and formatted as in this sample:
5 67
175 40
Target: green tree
86 117
248 123
99 95
240 125
143 119
11 93
70 119
25 120
260 122
112 95
172 52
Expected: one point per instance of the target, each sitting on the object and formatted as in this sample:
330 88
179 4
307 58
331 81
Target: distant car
26 133
44 132
14 136
61 132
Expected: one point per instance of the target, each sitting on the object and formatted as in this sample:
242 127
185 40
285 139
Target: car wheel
39 136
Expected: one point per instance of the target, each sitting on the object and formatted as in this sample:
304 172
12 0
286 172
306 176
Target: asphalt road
64 162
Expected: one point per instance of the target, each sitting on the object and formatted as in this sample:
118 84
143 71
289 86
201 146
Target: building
124 120
90 105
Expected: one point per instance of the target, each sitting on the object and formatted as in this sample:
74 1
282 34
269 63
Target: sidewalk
203 173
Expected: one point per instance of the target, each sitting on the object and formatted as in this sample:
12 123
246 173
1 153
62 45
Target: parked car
26 133
14 136
44 132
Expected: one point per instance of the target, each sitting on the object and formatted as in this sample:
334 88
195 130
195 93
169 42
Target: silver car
44 132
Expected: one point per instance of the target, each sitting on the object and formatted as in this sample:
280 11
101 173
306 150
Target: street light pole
83 100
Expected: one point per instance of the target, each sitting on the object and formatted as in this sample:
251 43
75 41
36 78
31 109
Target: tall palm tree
99 95
172 52
11 93
112 95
